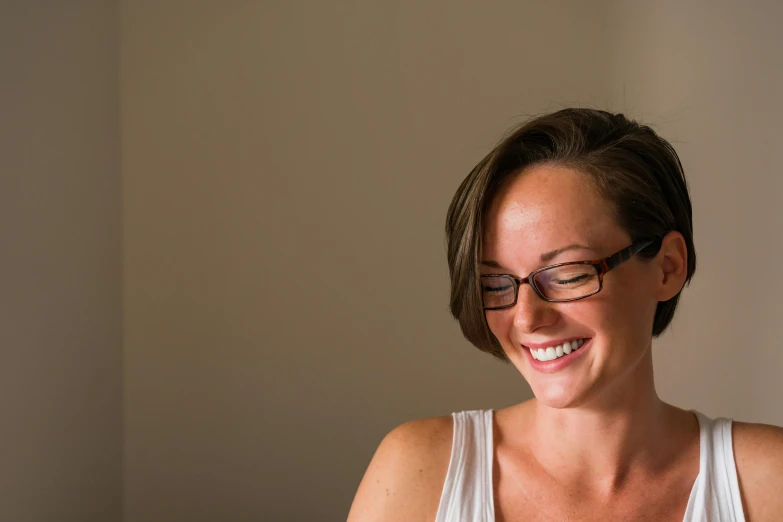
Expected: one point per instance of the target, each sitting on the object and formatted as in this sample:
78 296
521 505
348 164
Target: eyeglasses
558 283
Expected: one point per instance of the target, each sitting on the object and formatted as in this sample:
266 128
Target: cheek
630 313
499 322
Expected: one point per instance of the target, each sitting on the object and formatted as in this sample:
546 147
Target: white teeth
555 352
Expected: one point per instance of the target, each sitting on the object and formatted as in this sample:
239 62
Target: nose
531 312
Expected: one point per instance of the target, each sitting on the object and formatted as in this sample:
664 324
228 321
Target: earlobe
673 257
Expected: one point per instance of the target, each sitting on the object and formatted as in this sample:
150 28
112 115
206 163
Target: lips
545 365
555 351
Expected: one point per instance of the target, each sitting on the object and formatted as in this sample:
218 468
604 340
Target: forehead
544 208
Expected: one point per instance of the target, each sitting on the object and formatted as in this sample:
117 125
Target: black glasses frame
602 266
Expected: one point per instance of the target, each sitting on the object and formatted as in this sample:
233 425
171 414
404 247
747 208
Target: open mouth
557 351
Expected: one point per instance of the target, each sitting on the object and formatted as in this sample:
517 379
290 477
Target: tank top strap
467 492
715 496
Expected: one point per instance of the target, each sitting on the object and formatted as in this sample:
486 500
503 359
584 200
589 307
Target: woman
568 246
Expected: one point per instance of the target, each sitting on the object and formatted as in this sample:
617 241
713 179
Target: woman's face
543 209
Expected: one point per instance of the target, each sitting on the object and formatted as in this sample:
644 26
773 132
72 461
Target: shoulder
406 475
758 454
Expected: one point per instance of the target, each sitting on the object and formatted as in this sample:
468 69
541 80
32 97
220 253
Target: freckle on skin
387 492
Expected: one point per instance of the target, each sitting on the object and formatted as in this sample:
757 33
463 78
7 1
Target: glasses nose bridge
527 281
531 310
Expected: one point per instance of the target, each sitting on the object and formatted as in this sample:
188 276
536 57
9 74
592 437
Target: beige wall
60 262
708 75
287 171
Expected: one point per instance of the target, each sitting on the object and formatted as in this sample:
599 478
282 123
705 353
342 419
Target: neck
624 432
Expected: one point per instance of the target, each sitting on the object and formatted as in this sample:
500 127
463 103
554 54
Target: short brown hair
629 164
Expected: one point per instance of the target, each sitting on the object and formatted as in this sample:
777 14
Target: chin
558 397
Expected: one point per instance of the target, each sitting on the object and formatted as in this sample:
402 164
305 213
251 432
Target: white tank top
467 493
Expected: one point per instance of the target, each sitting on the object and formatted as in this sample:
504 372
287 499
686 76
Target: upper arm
405 477
758 454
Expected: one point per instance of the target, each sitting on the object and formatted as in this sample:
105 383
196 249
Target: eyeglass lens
557 283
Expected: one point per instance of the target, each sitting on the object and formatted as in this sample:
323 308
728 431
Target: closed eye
572 280
503 288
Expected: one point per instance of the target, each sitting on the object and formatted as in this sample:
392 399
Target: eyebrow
549 256
545 258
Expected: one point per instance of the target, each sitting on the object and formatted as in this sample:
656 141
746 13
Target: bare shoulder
405 477
758 454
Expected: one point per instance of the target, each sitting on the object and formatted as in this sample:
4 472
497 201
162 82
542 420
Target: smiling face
536 213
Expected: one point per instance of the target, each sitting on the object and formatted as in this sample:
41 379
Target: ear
672 261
